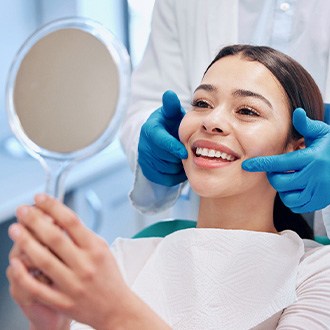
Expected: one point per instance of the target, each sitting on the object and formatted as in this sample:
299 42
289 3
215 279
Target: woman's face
239 111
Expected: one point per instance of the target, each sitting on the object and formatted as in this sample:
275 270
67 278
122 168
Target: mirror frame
121 59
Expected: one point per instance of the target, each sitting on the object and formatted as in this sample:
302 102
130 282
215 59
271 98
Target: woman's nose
212 130
217 122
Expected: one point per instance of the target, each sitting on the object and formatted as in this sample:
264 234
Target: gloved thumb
308 128
171 106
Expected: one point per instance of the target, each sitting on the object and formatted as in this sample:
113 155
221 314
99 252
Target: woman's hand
40 316
86 282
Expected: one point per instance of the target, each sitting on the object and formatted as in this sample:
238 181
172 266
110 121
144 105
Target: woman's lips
210 155
217 147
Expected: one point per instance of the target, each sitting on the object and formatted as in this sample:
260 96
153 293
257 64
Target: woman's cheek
183 136
181 131
264 142
184 129
265 149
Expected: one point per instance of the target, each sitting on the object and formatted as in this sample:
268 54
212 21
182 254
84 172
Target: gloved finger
167 180
162 140
154 138
173 180
169 168
287 181
160 165
308 128
165 156
296 199
172 106
292 161
327 113
307 208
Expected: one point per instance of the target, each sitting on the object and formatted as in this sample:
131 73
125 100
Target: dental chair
164 228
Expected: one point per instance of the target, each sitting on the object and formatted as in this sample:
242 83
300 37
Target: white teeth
205 152
213 154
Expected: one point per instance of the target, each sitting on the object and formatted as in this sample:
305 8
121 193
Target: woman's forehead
235 66
235 72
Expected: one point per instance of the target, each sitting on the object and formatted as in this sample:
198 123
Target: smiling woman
238 269
243 108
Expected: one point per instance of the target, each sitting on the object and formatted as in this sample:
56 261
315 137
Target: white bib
220 279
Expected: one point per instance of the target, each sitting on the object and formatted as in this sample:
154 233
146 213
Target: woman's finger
19 295
26 289
16 252
43 227
41 258
66 219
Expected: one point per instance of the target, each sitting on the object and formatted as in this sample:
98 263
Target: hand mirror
66 94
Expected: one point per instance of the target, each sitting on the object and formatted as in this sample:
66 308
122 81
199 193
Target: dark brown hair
301 91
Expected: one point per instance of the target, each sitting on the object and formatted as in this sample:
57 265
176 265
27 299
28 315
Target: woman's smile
208 154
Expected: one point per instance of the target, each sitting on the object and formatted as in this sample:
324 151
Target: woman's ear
299 144
296 145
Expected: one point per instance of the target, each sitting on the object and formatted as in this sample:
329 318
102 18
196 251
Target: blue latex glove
160 151
327 113
306 189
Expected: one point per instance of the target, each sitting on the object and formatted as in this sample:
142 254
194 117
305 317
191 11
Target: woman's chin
211 190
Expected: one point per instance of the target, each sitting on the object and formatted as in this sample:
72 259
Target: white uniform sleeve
162 68
311 310
149 197
326 219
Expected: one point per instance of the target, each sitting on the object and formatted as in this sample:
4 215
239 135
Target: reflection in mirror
66 94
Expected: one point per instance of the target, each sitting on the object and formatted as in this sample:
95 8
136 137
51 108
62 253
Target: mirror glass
66 94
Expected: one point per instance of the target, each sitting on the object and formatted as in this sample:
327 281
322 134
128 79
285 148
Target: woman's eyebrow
237 92
247 93
207 87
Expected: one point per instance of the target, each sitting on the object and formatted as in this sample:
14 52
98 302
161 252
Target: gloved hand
306 189
160 151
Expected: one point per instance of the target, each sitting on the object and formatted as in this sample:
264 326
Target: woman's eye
246 111
201 104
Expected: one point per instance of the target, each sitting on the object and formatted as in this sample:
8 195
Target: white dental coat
185 37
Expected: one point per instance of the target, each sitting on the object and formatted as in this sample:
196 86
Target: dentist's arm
302 177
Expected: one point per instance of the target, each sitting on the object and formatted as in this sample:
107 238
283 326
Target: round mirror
66 94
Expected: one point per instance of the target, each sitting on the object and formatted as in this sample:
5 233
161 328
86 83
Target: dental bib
220 279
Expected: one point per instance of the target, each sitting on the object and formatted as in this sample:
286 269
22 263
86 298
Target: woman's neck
237 212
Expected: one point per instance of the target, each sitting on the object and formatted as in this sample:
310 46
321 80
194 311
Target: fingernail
22 211
40 198
14 231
